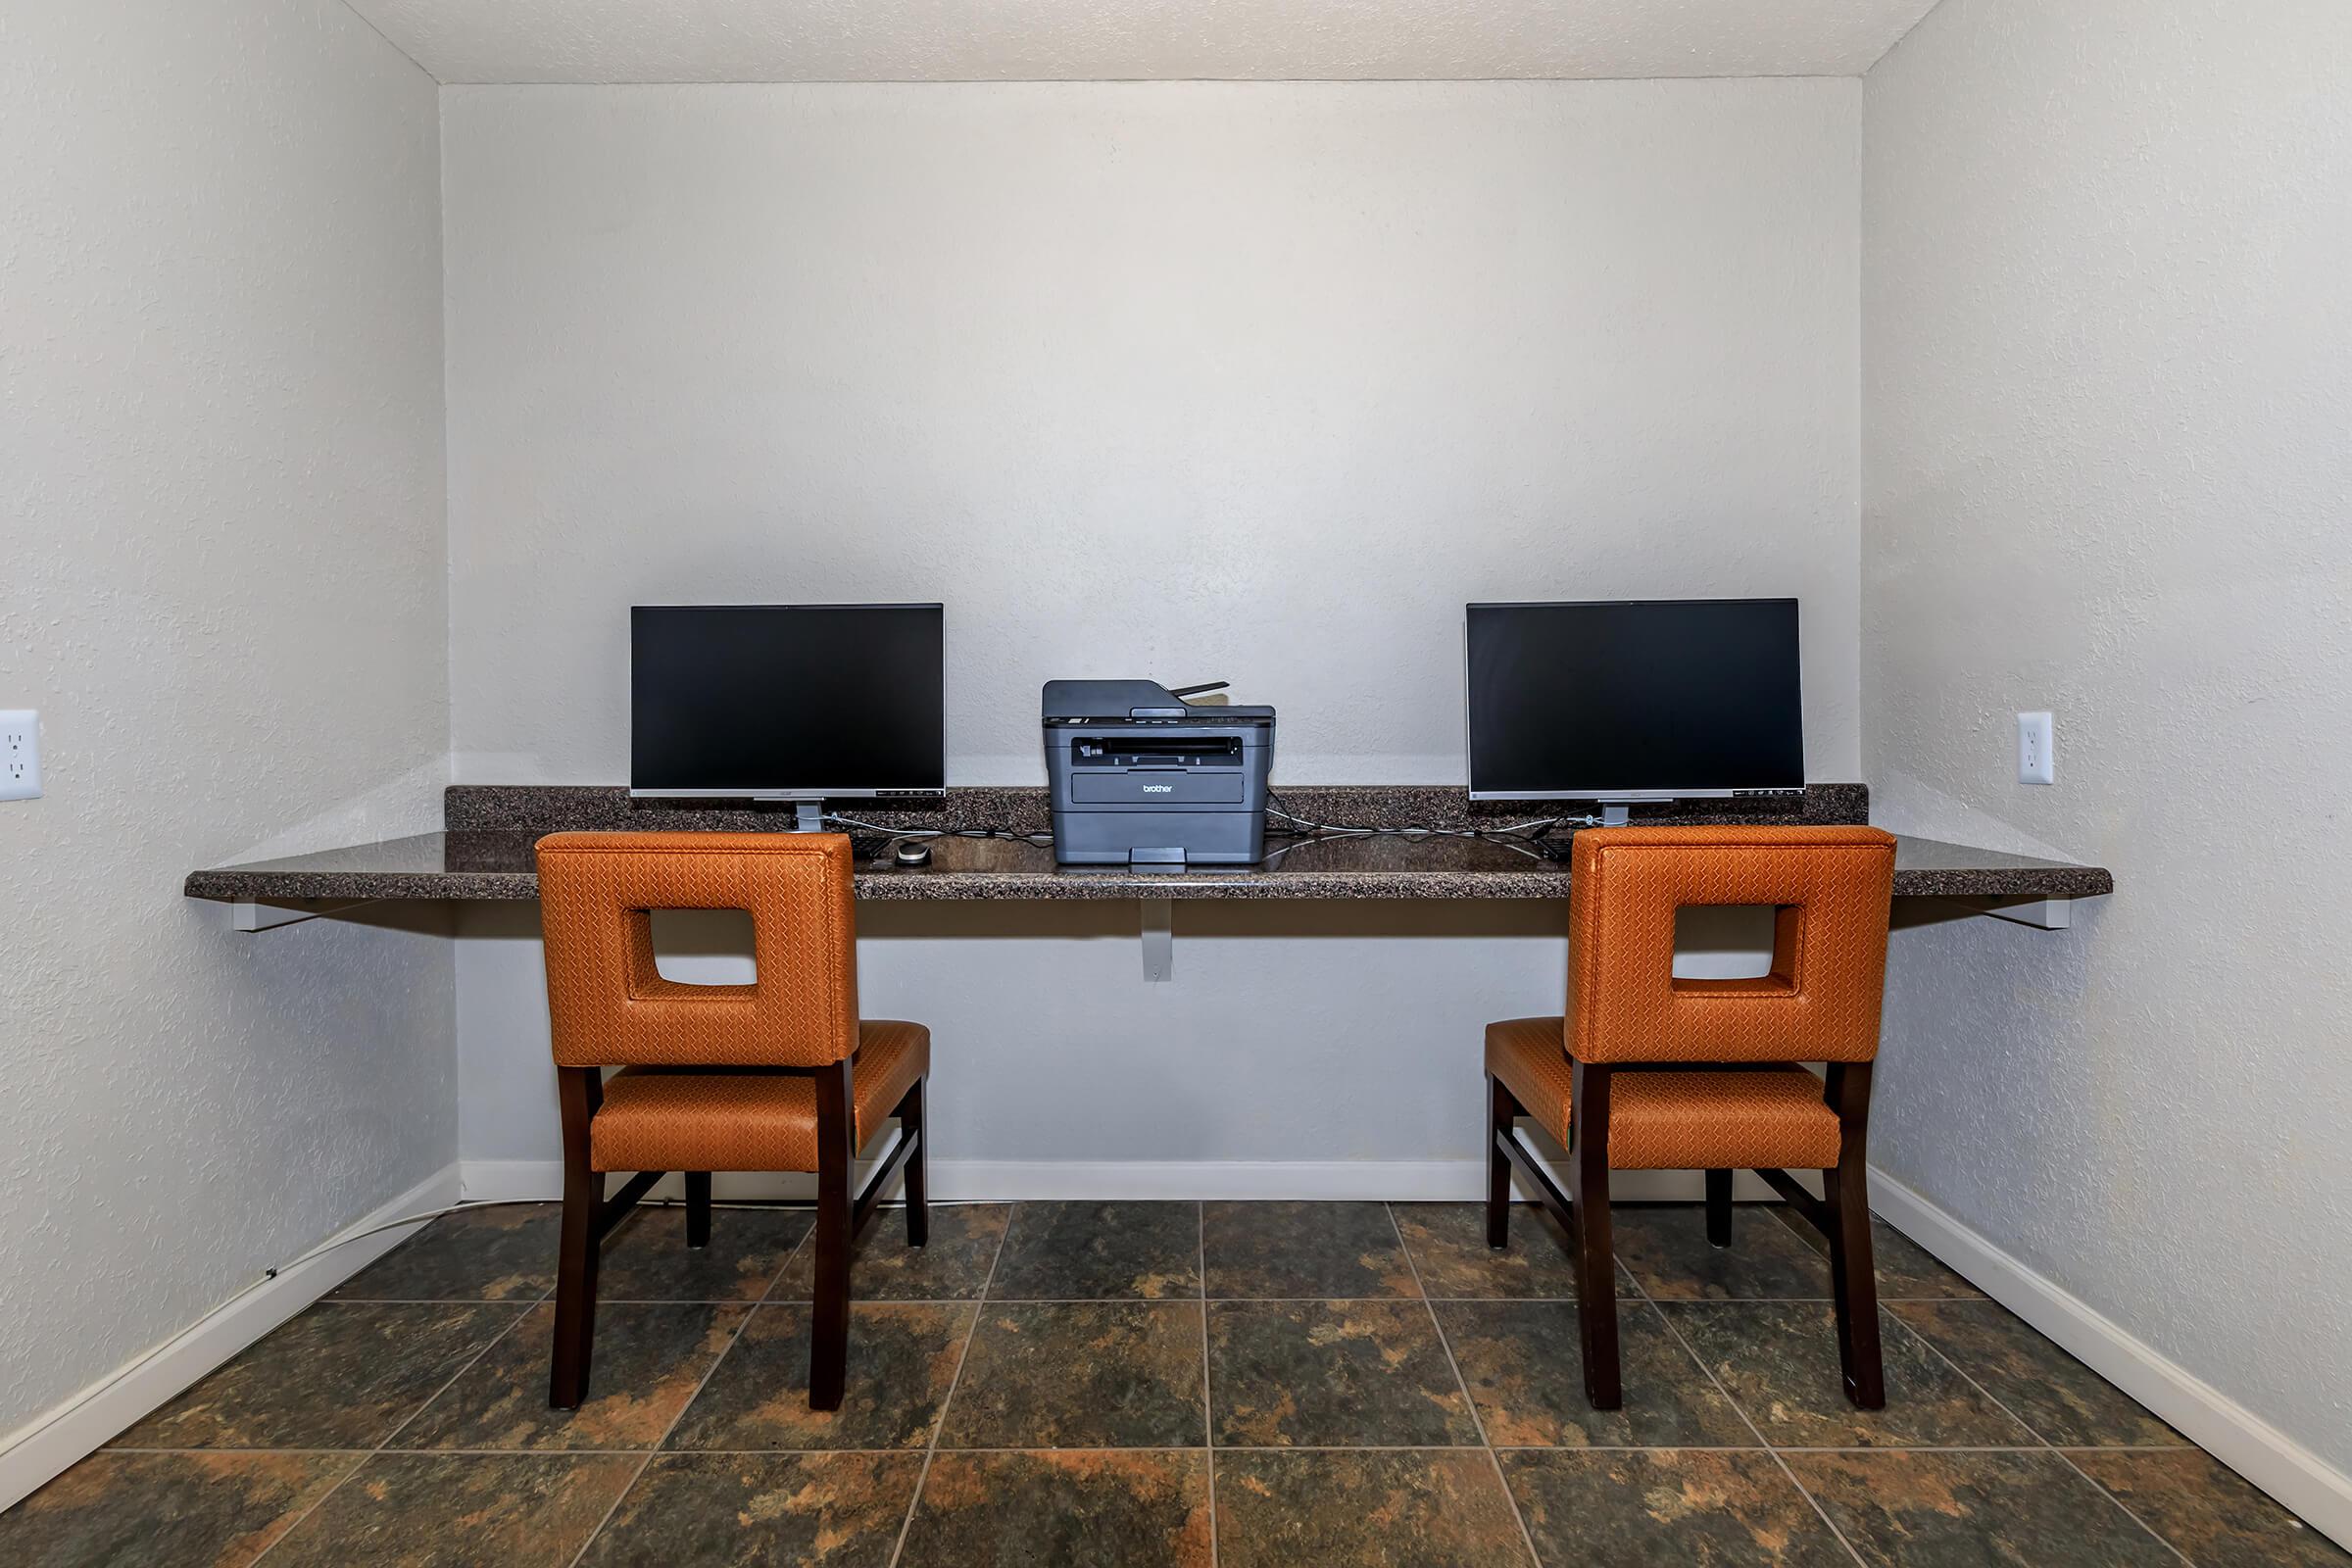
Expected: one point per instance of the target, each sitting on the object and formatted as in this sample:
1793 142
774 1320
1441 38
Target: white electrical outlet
2035 763
20 755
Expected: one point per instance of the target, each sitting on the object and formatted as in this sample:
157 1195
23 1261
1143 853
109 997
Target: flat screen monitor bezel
1638 794
868 792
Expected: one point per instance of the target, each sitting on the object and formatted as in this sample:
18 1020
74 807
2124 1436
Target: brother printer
1142 777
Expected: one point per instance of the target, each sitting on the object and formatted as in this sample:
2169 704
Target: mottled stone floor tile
341 1375
1427 1508
1906 1271
903 1359
2064 1402
1667 1508
751 1510
1779 1360
1081 1375
650 1358
497 1253
952 1266
646 1259
2214 1517
1524 1364
1066 1509
421 1510
167 1511
1323 1250
1100 1251
1958 1511
1667 1250
1315 1374
1448 1245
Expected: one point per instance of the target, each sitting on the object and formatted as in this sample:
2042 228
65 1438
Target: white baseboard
77 1426
2228 1431
1392 1180
1007 1180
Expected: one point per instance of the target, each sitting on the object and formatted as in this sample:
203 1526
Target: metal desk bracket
1160 939
2044 914
250 914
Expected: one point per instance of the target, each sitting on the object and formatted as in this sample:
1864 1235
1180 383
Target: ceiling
1093 40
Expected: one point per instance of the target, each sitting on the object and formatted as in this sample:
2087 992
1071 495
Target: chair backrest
1831 888
607 1006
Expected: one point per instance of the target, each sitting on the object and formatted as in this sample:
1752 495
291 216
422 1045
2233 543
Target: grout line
1209 1408
2069 1461
523 1310
708 1373
939 1423
1740 1410
631 1486
1478 1422
2034 1433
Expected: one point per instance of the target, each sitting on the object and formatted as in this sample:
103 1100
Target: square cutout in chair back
1723 941
705 947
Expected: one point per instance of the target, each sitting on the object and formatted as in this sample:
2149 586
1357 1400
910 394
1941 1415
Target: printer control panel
1135 751
1139 771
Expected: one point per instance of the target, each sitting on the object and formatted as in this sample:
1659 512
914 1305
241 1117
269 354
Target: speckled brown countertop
486 851
573 807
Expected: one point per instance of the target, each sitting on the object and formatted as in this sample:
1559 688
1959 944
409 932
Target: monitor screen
1635 698
786 701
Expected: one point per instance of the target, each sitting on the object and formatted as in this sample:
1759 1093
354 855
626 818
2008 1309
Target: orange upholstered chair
779 1075
1649 1072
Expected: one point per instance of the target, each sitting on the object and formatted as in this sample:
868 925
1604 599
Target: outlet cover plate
19 753
2034 741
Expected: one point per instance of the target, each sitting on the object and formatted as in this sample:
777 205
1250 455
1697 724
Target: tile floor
1120 1384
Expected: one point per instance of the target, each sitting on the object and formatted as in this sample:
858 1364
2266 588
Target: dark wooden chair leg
1503 1110
829 1336
918 1203
1595 1251
1719 1207
697 1209
1853 1278
579 1091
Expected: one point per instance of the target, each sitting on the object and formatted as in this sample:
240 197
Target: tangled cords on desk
1529 838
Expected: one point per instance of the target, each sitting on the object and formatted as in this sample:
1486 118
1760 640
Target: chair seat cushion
684 1118
1769 1118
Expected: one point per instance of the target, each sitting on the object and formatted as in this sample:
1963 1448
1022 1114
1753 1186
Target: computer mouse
913 851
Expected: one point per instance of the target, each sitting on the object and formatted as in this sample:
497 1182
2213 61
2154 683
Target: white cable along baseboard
76 1426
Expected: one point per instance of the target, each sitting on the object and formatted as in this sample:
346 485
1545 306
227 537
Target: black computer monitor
786 702
1635 700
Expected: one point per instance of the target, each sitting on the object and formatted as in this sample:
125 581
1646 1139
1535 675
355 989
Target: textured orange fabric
1530 1057
682 1120
609 1007
1742 1121
1832 885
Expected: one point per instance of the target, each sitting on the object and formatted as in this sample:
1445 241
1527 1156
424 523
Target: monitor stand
807 816
1615 813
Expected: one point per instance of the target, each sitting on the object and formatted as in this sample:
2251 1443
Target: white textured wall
220 480
2107 469
1260 382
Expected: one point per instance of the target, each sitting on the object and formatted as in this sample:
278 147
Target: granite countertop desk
485 853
